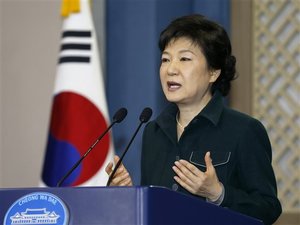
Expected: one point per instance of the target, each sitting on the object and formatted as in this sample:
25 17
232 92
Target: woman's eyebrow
180 51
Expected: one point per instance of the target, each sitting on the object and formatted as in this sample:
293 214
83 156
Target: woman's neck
186 112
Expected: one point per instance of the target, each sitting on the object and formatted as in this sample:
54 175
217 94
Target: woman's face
184 73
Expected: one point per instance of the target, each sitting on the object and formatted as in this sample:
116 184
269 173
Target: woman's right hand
121 177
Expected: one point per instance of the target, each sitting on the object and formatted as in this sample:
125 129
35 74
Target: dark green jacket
240 151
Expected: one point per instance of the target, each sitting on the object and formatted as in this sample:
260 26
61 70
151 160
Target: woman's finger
108 168
119 179
191 168
181 173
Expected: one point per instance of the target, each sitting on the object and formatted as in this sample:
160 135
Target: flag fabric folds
79 111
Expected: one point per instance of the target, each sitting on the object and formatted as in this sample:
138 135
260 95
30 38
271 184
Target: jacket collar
212 112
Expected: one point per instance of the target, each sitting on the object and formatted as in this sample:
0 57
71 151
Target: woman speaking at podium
197 145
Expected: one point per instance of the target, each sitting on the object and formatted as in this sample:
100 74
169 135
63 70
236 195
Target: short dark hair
213 41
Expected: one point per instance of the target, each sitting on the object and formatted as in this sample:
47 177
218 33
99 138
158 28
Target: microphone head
146 115
120 115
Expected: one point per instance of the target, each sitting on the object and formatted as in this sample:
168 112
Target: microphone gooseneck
117 118
144 118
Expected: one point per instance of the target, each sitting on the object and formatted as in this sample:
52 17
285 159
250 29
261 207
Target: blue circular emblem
37 208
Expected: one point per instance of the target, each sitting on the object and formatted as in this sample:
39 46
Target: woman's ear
214 74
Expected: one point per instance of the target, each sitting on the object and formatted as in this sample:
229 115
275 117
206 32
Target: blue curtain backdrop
133 58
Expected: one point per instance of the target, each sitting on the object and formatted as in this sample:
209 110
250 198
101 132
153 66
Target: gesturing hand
121 177
205 184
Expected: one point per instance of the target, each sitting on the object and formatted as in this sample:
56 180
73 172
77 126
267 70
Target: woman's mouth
173 86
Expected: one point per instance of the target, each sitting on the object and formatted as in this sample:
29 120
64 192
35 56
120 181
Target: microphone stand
144 117
121 158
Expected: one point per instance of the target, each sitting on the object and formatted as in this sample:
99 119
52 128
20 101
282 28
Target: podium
114 205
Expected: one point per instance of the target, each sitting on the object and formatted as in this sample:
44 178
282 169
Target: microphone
117 118
144 118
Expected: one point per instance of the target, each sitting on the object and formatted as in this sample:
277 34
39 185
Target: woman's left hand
205 184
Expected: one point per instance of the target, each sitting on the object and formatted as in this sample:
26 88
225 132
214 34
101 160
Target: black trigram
84 46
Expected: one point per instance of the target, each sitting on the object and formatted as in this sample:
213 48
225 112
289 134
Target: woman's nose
172 68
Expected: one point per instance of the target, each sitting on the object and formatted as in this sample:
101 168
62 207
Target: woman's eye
185 59
164 60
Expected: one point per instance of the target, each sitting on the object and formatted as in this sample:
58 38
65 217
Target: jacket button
175 187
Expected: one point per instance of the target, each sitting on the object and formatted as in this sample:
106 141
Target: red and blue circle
76 123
